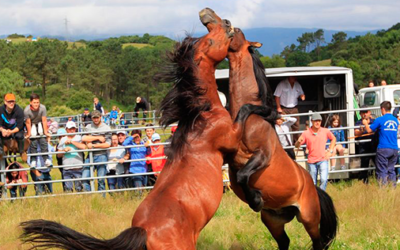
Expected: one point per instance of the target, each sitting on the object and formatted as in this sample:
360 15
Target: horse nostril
227 23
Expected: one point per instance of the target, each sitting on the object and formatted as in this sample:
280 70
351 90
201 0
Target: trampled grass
368 219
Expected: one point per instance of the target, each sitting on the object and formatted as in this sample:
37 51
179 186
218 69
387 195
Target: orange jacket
157 151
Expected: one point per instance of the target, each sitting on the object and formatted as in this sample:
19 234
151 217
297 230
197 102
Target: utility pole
66 29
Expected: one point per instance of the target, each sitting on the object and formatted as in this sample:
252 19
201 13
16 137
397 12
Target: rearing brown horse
261 172
189 189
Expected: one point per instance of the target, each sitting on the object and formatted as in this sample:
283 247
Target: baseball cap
121 132
9 97
86 109
70 124
155 137
316 116
96 113
61 131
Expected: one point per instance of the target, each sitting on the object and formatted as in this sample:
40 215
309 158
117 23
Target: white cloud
111 17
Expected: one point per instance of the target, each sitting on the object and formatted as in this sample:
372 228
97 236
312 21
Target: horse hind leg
276 225
255 163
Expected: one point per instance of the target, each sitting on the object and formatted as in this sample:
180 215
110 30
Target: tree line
372 57
69 76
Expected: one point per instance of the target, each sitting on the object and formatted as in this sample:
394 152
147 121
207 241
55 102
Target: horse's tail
329 220
49 234
246 110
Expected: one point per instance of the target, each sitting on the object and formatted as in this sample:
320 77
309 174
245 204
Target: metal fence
92 164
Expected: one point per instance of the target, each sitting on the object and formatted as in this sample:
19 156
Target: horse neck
206 80
242 82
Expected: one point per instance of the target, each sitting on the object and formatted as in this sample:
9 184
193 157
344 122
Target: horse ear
256 44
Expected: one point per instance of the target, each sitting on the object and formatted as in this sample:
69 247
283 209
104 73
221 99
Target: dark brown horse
189 189
261 172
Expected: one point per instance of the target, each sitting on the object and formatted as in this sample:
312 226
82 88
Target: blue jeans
13 191
112 182
101 171
384 161
41 188
322 168
70 174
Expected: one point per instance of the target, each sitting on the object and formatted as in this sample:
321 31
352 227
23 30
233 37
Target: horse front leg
258 161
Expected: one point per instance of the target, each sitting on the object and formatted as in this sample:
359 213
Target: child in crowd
282 127
16 177
339 148
157 151
113 117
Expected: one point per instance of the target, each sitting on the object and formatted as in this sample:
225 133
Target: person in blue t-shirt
386 153
137 167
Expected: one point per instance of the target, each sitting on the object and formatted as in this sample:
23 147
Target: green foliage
11 81
371 57
15 35
274 62
298 58
61 111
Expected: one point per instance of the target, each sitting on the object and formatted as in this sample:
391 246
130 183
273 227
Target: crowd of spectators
322 144
115 153
111 158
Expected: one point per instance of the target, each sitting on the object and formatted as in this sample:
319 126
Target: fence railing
91 165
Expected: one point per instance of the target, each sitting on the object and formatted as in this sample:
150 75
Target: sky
174 17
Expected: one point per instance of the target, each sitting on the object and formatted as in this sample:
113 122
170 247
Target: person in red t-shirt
157 151
315 138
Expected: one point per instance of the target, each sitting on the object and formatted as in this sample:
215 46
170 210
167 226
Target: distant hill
274 40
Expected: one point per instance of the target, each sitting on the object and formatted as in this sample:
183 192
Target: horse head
239 42
214 45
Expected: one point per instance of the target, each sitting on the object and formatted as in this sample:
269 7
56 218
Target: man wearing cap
315 139
36 125
100 138
141 103
364 147
12 124
286 95
67 144
386 153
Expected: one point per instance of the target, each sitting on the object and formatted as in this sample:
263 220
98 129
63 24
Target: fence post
3 190
154 117
91 171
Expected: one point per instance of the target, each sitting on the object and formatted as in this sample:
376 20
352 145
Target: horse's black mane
264 90
184 102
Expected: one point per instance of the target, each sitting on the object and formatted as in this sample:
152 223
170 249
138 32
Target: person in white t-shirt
286 97
282 127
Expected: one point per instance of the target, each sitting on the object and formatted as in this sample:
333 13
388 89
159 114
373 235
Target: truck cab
374 96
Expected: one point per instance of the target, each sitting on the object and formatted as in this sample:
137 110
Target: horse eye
211 41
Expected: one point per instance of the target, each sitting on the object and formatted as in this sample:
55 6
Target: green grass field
321 63
369 219
136 45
